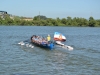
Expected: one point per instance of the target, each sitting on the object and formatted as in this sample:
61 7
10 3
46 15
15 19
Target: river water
21 60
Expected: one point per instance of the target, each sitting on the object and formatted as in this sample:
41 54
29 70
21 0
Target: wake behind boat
42 42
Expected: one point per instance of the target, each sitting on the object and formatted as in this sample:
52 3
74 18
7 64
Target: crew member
48 38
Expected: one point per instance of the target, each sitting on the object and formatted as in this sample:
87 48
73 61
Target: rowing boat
41 42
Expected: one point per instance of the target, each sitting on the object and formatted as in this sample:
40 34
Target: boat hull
47 46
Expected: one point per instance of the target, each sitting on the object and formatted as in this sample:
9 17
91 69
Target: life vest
48 38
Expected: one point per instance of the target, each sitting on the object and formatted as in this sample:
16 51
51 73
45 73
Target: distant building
28 19
3 13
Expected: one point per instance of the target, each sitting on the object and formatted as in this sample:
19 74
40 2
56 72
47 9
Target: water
21 60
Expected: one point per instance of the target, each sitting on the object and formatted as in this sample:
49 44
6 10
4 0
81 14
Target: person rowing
39 40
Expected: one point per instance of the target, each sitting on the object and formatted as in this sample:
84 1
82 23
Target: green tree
97 23
69 21
49 21
17 20
63 21
36 18
92 22
43 22
1 20
74 22
8 20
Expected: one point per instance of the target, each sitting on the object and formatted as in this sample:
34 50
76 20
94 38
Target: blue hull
48 46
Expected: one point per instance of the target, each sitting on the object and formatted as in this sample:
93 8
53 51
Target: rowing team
40 40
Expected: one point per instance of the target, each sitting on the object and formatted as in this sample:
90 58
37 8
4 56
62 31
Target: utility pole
39 15
91 14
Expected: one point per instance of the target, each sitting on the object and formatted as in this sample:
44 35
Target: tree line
44 21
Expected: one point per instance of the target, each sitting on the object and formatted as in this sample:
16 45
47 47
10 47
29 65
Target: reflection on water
18 59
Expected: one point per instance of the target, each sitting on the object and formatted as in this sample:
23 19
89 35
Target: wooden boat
42 42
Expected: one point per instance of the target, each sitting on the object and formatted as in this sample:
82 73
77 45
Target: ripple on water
21 60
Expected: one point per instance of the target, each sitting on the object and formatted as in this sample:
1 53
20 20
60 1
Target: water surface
21 60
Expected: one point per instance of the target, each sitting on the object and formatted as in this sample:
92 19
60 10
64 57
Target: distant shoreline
44 21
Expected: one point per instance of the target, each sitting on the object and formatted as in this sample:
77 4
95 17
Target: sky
52 8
